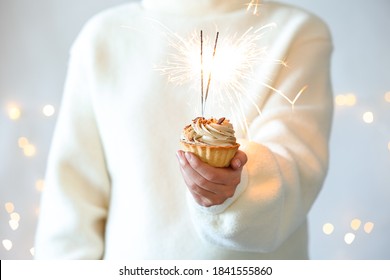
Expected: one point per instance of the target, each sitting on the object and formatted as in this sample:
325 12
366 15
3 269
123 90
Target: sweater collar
194 7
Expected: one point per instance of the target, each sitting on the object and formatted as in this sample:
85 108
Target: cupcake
212 140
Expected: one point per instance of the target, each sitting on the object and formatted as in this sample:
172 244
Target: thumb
239 160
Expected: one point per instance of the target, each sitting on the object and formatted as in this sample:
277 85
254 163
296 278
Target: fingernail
179 155
188 156
236 163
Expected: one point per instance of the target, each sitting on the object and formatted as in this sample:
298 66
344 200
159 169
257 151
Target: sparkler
204 97
201 70
231 68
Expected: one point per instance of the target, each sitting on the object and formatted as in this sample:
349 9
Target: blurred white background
350 219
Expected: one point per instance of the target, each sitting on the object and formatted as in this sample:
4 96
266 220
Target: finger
239 160
222 181
203 201
194 188
202 196
212 174
195 182
200 186
180 157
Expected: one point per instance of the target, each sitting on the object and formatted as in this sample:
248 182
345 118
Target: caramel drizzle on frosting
214 132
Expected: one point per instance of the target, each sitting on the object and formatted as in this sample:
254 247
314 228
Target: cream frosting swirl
210 132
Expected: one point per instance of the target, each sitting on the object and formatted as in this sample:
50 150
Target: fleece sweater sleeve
287 154
75 200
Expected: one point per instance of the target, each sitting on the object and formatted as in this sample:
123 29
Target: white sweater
113 185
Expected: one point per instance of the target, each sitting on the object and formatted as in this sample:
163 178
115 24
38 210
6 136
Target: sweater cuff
218 209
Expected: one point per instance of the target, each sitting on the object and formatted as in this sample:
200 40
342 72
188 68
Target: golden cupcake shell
217 156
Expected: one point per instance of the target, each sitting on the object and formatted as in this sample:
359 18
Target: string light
348 99
29 149
39 185
340 100
368 117
355 224
15 216
7 244
22 142
9 207
328 228
48 110
14 112
368 227
349 238
387 96
13 224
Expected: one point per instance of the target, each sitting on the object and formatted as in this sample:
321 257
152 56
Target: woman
114 189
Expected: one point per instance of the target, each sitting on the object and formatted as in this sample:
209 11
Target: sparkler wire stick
231 70
209 79
201 71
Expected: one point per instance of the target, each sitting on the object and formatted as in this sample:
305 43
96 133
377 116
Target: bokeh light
7 244
355 224
349 238
368 227
387 96
328 228
9 207
348 99
15 216
14 112
22 142
40 185
29 150
368 117
48 110
13 224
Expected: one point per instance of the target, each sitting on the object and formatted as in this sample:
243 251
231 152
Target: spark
232 67
232 64
204 98
289 100
254 4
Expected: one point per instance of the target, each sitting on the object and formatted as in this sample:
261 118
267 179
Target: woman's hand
211 185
